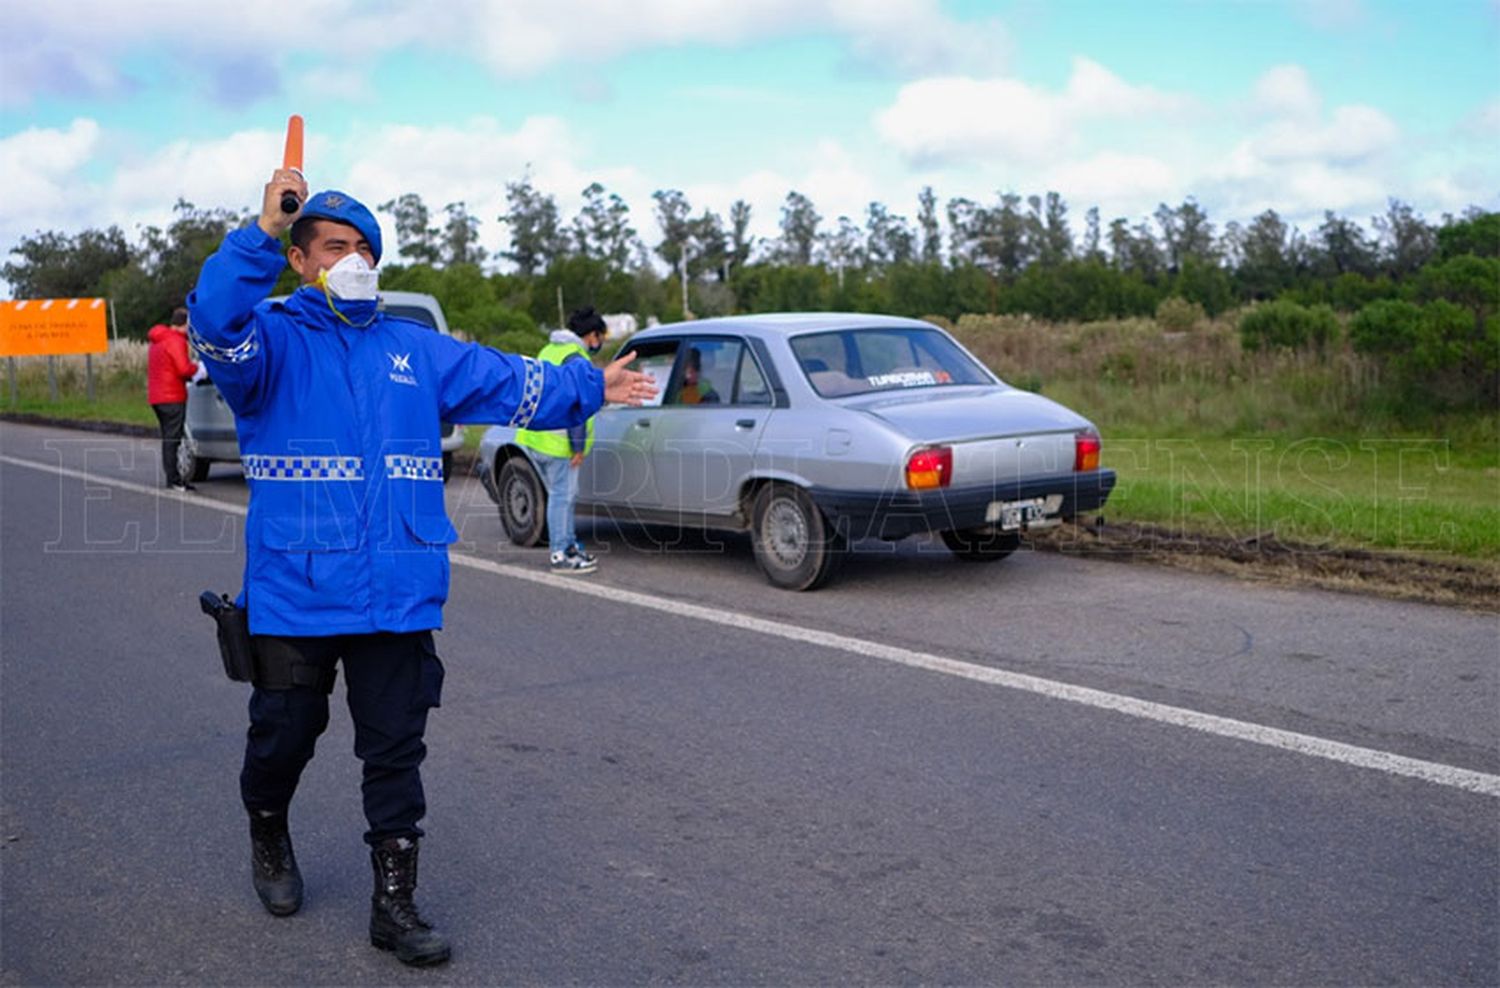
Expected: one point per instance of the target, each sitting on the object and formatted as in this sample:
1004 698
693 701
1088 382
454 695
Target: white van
210 435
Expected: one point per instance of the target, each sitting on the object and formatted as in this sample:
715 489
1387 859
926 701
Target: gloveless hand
627 387
272 220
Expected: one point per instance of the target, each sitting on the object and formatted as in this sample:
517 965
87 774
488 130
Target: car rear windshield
858 361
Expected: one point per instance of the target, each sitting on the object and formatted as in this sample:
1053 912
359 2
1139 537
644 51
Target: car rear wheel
523 503
794 545
190 466
447 466
984 544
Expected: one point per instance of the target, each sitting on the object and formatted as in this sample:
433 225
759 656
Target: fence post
11 366
52 378
88 374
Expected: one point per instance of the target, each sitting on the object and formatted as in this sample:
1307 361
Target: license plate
1011 515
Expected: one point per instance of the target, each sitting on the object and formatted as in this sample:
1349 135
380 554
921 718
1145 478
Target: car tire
985 544
794 544
523 502
447 466
190 466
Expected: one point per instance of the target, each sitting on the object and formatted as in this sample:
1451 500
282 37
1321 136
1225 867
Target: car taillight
1086 451
929 468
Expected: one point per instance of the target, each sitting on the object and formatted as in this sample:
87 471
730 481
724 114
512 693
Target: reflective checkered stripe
414 468
237 354
531 394
303 467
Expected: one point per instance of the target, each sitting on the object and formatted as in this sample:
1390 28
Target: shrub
1176 314
1473 282
1387 326
1287 325
1434 350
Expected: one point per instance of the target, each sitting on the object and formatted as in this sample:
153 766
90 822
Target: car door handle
643 423
744 424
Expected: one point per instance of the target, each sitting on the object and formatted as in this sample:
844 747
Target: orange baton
292 158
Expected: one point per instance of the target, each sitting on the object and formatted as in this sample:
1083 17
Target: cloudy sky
110 111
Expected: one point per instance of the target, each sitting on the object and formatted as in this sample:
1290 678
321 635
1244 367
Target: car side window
655 360
706 373
750 387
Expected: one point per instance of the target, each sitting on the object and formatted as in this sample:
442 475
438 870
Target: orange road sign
53 326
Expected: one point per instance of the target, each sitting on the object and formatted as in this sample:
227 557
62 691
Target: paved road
672 782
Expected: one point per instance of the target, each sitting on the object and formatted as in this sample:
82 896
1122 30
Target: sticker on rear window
905 379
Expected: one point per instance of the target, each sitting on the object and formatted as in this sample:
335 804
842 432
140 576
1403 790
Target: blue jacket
339 432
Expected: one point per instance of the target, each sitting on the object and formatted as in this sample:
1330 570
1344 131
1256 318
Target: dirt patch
1405 576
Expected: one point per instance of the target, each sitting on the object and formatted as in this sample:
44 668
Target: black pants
392 680
172 417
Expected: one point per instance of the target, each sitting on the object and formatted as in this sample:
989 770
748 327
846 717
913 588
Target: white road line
1225 727
126 485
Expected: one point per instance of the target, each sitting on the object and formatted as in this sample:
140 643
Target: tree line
1011 254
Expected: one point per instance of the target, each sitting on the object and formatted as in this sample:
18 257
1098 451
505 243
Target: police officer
338 408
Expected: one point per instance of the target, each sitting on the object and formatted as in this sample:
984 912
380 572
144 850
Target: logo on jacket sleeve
401 368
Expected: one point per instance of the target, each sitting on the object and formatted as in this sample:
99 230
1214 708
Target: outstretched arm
236 278
481 384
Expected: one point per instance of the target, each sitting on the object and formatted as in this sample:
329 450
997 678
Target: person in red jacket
167 367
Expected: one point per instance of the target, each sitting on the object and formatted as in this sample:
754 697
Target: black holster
233 627
270 663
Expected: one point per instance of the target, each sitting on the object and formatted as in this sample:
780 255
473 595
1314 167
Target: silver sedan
813 430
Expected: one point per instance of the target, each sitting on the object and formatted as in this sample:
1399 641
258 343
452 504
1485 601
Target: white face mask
352 279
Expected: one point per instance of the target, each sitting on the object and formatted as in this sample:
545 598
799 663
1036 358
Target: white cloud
1286 90
1094 91
228 173
957 117
1353 133
915 37
942 119
1111 177
1244 184
39 171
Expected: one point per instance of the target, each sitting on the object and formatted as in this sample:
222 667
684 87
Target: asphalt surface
628 794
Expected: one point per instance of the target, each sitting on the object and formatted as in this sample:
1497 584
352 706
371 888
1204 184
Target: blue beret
342 208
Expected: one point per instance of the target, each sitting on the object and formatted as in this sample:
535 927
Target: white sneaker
572 562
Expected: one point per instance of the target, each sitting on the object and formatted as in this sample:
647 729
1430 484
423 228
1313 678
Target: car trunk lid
997 434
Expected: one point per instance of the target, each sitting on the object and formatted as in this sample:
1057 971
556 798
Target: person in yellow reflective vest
561 451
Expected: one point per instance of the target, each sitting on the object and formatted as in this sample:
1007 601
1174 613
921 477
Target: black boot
273 866
394 921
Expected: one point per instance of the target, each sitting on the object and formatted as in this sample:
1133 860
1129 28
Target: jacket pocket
321 550
428 524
